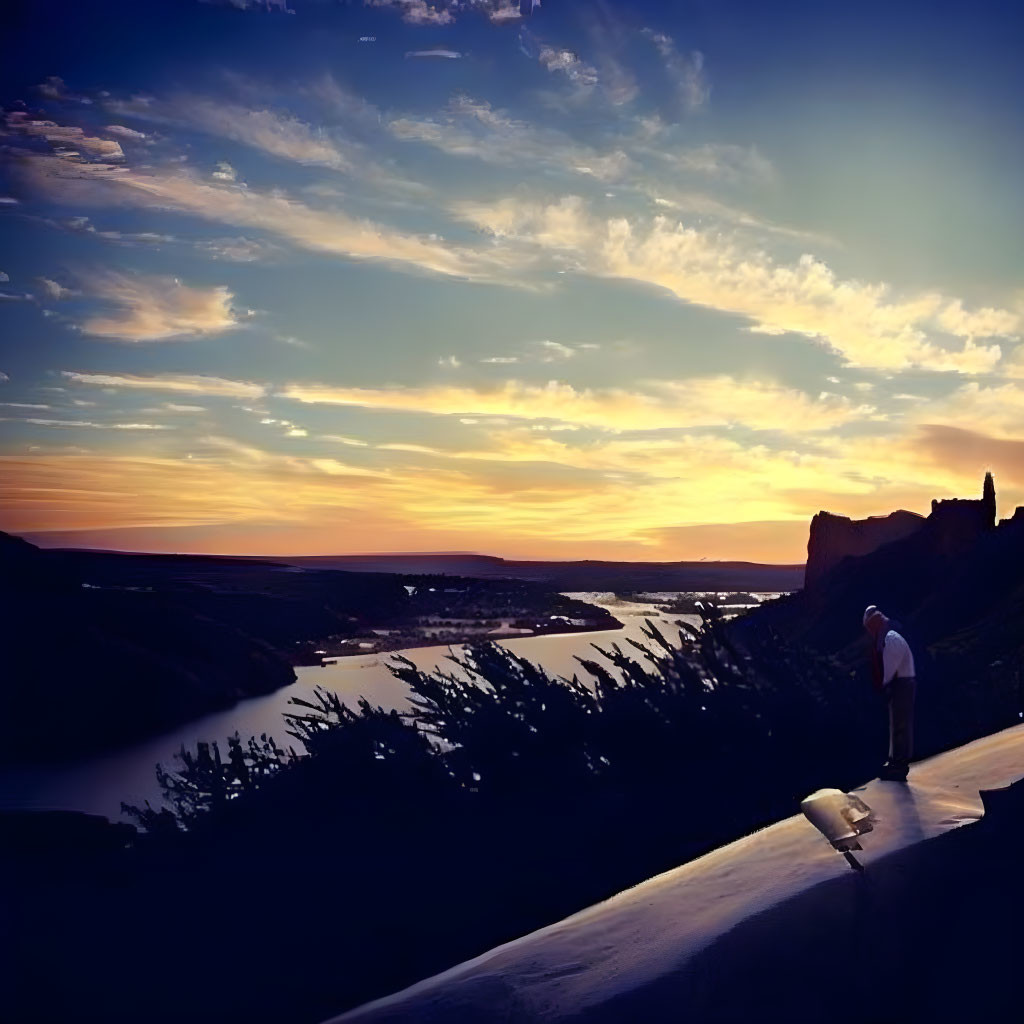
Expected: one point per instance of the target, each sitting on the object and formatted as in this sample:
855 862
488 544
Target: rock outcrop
958 522
834 538
955 582
954 526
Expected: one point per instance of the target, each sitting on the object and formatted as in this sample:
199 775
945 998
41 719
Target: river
99 784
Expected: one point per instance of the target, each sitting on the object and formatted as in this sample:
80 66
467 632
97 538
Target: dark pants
900 695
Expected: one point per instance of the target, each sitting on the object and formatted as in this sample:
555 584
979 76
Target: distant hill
100 648
583 575
87 666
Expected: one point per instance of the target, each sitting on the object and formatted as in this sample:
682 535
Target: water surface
98 785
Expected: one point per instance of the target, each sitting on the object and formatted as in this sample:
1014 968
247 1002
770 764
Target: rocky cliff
956 582
834 538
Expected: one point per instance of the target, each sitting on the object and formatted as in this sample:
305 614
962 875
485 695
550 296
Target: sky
550 279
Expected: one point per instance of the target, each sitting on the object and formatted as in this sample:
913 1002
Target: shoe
893 772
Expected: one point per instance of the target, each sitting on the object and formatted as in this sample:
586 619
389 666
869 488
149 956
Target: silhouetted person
892 672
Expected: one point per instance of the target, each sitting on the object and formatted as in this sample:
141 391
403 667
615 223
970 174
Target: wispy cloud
88 424
434 54
568 63
157 308
323 230
474 128
253 5
996 411
55 88
700 206
865 323
127 133
685 71
417 12
193 384
713 401
273 132
719 160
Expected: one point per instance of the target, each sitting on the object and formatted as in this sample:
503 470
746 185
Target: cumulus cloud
224 172
709 401
157 308
865 323
195 384
53 289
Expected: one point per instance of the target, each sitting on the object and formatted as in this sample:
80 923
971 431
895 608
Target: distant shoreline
389 645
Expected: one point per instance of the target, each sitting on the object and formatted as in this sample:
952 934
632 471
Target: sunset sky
603 280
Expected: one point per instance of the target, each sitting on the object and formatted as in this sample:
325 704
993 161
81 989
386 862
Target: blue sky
587 280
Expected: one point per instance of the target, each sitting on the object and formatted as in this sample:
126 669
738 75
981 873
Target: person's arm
877 667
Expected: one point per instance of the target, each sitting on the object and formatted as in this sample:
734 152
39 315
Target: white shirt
896 658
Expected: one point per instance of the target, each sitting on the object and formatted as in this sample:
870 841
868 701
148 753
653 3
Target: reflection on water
99 784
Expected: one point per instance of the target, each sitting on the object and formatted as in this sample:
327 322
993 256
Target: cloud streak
704 402
192 384
321 230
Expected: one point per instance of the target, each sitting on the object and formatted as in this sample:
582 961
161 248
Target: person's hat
872 609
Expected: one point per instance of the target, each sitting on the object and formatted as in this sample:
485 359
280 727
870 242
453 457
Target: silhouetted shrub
396 844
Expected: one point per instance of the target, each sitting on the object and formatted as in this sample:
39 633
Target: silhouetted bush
384 846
